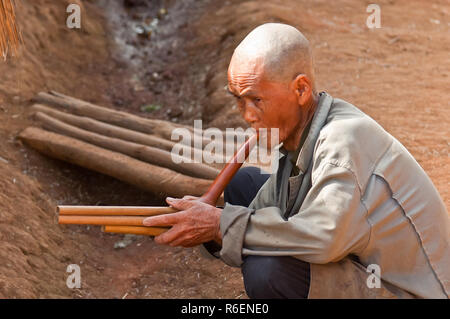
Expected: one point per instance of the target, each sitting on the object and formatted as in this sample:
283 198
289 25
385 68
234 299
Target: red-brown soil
398 74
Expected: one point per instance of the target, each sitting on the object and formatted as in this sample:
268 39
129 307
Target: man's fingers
179 203
168 236
189 197
162 220
182 241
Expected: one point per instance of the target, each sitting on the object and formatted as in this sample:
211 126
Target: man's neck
293 141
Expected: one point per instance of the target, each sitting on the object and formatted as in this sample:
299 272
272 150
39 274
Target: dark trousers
266 276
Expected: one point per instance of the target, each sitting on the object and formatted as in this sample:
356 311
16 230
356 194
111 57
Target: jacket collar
318 121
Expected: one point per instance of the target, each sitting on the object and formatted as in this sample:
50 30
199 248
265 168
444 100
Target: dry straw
9 34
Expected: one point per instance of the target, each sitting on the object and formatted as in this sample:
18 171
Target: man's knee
267 277
242 177
244 186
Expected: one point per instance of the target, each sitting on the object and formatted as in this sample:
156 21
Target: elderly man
347 198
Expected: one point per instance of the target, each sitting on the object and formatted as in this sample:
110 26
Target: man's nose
250 115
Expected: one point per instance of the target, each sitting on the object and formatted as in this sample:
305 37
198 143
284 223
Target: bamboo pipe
210 197
114 210
102 220
226 174
136 230
98 215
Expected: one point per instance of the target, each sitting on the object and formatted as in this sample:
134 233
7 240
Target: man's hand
194 224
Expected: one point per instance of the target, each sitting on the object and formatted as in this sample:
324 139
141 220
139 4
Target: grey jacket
359 193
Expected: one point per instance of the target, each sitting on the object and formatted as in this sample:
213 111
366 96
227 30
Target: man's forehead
238 83
245 70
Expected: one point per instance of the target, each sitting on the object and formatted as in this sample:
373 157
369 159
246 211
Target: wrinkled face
263 103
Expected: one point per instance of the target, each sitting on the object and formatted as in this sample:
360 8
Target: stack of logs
130 148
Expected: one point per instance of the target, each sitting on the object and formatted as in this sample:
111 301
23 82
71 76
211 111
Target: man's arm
330 224
196 217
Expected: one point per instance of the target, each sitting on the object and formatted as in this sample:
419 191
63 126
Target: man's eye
257 99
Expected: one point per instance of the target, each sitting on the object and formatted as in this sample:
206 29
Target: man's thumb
178 203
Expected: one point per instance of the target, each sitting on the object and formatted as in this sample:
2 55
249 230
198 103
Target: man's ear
303 89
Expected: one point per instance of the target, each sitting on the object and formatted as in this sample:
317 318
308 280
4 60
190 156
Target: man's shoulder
346 118
351 139
350 130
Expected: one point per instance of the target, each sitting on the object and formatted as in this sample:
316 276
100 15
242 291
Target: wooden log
80 107
123 119
158 180
105 128
145 153
114 210
136 230
160 127
190 128
123 133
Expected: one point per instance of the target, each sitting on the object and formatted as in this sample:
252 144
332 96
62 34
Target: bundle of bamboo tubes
125 220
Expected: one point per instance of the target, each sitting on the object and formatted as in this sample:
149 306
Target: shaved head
271 76
282 51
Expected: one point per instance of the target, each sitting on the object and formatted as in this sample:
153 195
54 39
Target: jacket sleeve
331 223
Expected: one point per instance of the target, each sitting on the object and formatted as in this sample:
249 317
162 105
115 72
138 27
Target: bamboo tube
226 174
101 220
114 210
145 153
136 230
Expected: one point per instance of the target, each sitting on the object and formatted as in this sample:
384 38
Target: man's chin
268 140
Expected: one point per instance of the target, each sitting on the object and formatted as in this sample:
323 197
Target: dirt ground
398 74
